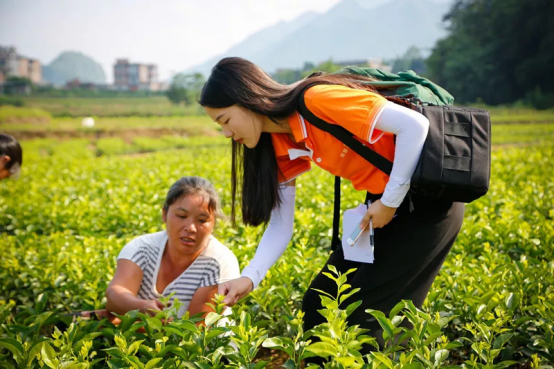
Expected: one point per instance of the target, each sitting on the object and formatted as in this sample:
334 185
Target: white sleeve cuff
395 191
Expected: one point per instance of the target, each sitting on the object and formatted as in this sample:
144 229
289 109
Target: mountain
257 43
351 30
70 65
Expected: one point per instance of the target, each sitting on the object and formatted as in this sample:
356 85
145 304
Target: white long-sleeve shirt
410 128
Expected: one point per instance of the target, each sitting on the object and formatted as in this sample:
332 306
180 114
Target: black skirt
409 252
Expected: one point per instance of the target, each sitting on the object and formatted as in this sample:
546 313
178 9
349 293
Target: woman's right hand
152 307
235 289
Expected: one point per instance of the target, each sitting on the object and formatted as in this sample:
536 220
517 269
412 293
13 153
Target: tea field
29 123
110 106
79 201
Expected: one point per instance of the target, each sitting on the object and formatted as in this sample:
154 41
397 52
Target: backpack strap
348 139
335 240
343 135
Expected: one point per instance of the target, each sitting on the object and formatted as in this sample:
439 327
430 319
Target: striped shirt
216 264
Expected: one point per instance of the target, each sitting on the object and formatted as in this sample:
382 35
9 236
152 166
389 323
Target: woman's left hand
380 214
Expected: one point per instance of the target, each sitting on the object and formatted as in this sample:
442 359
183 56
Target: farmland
110 107
82 197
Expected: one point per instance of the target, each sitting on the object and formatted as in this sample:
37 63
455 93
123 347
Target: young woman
274 145
185 259
11 157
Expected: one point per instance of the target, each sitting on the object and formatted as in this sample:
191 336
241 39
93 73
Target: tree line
497 52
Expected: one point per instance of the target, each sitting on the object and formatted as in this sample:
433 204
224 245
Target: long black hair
236 81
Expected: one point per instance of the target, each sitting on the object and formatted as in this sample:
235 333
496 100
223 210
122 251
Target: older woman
185 259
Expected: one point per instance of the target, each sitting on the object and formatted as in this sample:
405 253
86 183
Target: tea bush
64 221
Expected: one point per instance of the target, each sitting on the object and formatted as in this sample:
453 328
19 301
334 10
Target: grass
160 106
510 125
110 107
117 124
512 115
521 133
15 115
202 125
112 146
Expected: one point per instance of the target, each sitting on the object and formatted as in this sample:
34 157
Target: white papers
362 250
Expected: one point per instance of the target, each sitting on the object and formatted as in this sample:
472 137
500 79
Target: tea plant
64 222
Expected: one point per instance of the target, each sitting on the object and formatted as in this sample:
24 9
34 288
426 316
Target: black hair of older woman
193 185
10 147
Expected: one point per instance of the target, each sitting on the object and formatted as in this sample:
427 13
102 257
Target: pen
371 242
358 231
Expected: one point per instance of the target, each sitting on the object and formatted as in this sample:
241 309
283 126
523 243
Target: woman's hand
152 307
380 214
235 289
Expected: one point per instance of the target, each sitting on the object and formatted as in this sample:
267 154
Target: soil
275 357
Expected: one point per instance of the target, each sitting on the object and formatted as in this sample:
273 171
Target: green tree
286 76
185 88
308 66
498 50
411 60
18 86
327 67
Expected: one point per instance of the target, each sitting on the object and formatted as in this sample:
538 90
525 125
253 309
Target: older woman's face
189 224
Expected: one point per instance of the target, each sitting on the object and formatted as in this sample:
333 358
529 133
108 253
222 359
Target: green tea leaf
501 340
414 366
261 364
133 348
322 349
12 345
154 323
274 343
212 318
352 307
134 361
152 363
48 355
440 356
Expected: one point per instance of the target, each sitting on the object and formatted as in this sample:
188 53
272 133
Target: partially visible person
185 259
11 157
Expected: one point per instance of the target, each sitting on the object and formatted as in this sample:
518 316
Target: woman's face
4 173
238 123
189 224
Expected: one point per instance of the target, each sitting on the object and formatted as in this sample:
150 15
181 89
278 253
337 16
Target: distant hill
345 32
70 65
256 45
